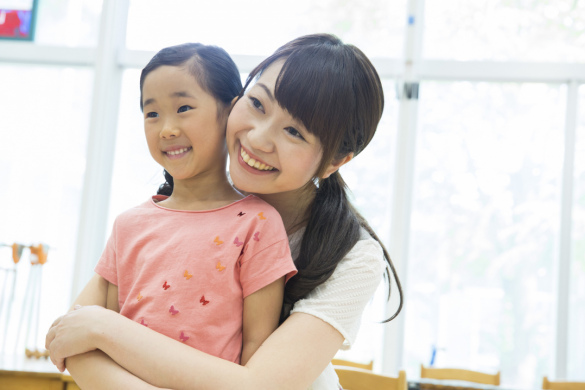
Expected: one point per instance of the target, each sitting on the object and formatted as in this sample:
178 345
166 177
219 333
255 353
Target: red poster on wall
17 19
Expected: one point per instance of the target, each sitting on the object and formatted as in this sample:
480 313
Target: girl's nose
260 138
169 131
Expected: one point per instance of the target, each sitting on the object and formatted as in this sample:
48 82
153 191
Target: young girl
202 264
310 108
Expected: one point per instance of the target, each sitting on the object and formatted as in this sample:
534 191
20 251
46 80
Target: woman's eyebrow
267 90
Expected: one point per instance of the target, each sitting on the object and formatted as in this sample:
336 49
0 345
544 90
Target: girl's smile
176 152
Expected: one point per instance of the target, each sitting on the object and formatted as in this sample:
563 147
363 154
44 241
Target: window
501 30
45 113
484 228
374 26
71 23
486 201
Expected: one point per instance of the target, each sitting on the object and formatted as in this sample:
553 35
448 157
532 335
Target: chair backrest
351 378
558 385
460 374
363 366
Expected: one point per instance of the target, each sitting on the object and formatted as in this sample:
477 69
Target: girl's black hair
212 67
335 91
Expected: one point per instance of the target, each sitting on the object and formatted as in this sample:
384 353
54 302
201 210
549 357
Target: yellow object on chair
363 366
460 374
351 378
548 385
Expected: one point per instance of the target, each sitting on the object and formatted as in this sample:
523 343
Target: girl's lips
250 169
176 153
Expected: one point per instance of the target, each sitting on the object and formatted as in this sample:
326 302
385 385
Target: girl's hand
72 333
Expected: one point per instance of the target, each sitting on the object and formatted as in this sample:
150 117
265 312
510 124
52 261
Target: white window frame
110 58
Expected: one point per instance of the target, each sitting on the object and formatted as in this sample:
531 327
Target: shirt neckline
157 198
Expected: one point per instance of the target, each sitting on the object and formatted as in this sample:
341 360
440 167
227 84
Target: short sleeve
267 255
106 266
266 267
341 300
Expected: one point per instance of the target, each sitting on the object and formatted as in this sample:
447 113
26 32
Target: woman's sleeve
341 300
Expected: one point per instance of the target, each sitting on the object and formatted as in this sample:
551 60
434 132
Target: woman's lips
253 170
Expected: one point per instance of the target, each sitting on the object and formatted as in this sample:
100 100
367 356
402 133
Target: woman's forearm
97 371
291 358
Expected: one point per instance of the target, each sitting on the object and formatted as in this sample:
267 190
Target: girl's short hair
212 67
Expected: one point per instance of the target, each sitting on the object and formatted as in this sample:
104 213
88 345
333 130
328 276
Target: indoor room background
475 179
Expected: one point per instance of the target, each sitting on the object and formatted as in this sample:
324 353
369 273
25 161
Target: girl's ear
234 100
335 165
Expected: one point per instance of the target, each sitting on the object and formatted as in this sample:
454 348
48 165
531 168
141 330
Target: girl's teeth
175 152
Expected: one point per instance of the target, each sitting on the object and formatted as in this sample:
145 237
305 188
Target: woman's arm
261 315
291 358
99 372
97 291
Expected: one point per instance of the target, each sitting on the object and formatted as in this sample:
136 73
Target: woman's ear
335 165
234 100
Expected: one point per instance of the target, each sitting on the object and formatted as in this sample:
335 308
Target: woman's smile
254 165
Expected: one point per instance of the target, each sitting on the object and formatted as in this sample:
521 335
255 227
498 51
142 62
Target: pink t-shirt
185 274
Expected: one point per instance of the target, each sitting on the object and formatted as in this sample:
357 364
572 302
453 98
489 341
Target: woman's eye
152 115
294 132
256 103
184 108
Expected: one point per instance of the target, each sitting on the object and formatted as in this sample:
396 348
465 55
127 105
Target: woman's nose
260 138
169 130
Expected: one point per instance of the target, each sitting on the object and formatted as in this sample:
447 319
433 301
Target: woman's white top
341 300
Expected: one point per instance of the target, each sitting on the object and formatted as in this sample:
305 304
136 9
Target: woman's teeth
179 151
253 163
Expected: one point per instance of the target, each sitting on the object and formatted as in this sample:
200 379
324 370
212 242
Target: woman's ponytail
337 224
337 228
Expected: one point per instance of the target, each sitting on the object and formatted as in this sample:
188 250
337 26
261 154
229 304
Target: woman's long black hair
335 91
214 70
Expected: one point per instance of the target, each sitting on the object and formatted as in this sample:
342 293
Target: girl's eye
184 108
256 103
294 132
152 115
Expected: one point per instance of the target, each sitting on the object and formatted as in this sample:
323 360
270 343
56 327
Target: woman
312 106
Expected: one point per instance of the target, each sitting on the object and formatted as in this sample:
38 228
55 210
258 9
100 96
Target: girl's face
181 124
270 151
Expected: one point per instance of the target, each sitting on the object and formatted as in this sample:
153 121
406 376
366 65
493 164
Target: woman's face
270 151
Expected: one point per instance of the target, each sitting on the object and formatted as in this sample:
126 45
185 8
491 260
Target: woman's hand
71 334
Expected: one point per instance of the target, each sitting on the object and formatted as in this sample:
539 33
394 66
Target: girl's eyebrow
174 94
182 94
